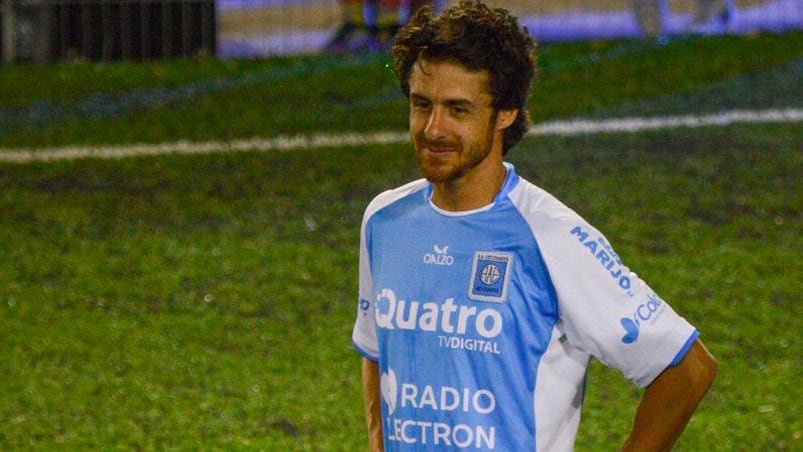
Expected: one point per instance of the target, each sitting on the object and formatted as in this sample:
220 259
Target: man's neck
474 190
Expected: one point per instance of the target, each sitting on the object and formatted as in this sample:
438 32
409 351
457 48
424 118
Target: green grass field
206 302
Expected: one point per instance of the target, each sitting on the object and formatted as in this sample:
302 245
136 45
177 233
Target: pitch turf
206 302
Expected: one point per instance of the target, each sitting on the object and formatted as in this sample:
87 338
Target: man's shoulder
556 226
538 205
394 195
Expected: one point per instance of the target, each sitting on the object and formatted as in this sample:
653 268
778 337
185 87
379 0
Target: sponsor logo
490 276
455 326
364 306
439 257
446 317
472 345
631 330
607 258
389 387
397 396
648 311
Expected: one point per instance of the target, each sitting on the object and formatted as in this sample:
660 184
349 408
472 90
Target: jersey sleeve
605 309
364 333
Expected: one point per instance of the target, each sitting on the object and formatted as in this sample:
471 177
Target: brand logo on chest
440 256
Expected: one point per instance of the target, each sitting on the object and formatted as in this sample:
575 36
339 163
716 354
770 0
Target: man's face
451 119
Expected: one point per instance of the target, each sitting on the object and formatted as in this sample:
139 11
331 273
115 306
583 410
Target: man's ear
504 118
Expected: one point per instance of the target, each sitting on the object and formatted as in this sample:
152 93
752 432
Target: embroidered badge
490 276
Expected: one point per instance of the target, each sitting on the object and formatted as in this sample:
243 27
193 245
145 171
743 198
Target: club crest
490 276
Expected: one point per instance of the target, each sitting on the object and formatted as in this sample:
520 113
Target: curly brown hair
478 38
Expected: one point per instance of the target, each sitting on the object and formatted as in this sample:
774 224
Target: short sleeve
364 333
605 309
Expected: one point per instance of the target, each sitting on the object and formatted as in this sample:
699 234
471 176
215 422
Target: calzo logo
645 312
439 257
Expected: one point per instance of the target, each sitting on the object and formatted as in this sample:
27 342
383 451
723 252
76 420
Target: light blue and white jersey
484 322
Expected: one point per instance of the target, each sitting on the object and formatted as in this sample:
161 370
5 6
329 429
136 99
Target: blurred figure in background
351 29
372 24
711 17
390 16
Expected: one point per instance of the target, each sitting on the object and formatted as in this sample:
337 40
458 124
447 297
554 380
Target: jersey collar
511 180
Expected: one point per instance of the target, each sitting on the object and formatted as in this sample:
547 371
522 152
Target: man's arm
670 400
373 404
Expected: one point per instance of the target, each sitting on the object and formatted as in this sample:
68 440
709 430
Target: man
711 16
482 297
371 24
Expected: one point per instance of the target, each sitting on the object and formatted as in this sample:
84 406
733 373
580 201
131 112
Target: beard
452 165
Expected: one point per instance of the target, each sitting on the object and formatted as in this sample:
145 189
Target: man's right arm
373 403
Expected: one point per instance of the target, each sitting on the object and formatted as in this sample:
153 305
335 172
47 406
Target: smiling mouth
439 148
436 148
439 151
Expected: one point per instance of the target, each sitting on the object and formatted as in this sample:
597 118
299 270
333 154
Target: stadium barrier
51 30
54 30
249 28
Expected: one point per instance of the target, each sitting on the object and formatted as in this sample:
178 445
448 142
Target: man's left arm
670 400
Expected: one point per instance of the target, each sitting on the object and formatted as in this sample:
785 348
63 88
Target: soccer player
482 298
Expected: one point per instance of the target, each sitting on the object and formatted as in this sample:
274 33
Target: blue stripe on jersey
683 351
364 352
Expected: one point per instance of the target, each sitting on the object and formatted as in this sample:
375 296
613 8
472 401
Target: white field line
303 142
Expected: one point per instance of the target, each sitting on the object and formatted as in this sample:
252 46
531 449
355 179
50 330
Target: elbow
711 370
707 369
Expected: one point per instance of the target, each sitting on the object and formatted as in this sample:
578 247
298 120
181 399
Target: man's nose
435 124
